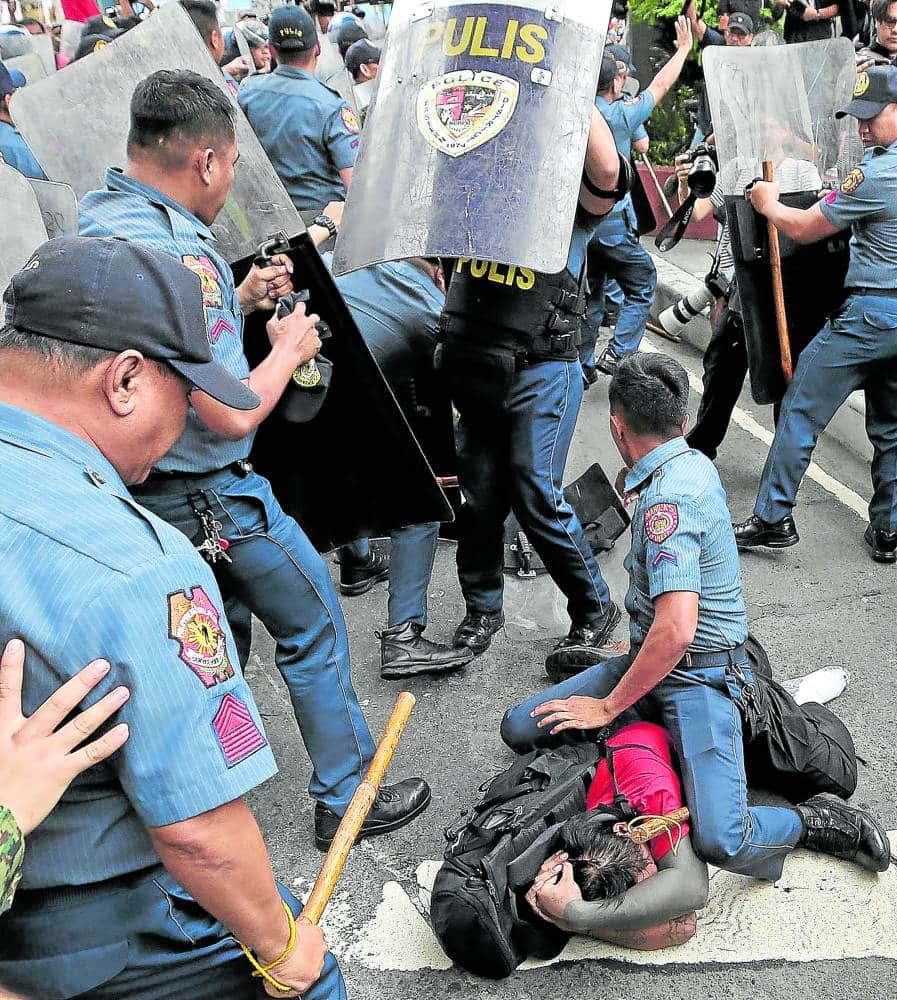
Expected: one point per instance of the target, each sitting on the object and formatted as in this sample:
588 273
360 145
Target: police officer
13 148
134 885
508 352
857 348
181 152
397 306
687 668
204 15
308 131
615 249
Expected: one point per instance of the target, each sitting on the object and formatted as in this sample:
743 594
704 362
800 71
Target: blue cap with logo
291 28
873 91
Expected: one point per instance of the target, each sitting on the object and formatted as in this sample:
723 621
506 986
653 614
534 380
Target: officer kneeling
137 880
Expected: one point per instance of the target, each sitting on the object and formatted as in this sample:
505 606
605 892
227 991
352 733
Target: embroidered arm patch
195 623
236 731
661 521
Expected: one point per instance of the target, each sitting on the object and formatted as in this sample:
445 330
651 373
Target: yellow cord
654 826
264 971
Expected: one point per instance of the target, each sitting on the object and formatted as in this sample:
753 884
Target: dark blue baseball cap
10 80
117 296
291 28
873 91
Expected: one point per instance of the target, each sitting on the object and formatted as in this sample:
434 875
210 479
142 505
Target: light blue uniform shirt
91 574
626 120
867 202
308 131
682 540
143 215
16 153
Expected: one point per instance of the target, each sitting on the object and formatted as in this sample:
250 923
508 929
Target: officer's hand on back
297 334
303 966
37 760
263 286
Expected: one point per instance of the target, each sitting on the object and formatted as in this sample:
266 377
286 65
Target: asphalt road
821 603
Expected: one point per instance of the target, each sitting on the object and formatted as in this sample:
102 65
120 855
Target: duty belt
888 293
705 658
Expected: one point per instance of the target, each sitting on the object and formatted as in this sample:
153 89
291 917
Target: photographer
725 360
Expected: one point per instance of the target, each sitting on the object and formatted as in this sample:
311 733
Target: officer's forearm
220 858
803 225
668 639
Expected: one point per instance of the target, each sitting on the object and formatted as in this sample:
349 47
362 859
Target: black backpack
478 907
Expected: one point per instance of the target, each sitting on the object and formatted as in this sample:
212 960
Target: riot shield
58 207
30 65
58 118
474 145
43 46
23 226
330 62
364 94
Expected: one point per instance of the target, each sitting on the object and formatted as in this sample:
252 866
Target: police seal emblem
661 521
208 276
861 85
194 622
458 112
853 180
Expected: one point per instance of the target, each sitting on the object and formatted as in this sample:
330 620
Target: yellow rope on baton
645 828
264 971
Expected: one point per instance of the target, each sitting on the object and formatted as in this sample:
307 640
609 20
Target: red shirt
79 10
643 766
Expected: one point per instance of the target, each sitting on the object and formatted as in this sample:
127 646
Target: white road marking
820 910
850 499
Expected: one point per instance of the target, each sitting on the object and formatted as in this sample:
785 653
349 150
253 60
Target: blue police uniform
615 251
99 576
682 541
16 153
273 570
514 457
855 349
308 131
397 308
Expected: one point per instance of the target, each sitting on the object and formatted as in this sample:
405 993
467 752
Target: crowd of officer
130 510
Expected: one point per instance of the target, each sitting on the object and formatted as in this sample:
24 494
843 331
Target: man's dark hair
880 9
650 392
204 14
26 22
175 111
604 864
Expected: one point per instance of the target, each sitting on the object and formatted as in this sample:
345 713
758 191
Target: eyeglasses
889 22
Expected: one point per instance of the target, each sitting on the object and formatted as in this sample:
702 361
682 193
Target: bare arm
642 145
803 225
602 166
660 85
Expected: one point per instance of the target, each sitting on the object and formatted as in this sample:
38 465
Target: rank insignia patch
350 120
459 111
220 326
207 273
236 731
662 557
853 180
195 623
661 521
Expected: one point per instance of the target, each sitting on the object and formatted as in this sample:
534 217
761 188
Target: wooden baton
653 826
778 292
657 186
357 811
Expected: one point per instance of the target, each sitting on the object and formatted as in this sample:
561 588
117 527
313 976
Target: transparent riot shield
58 118
330 62
777 103
474 145
30 65
23 225
58 207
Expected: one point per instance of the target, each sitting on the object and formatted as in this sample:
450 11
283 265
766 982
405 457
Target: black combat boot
358 578
404 652
584 646
882 543
835 828
394 807
771 534
476 630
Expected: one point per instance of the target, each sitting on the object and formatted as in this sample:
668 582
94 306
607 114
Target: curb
848 427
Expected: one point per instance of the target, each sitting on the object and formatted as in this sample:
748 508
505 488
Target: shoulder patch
236 731
350 120
852 181
208 276
195 623
661 521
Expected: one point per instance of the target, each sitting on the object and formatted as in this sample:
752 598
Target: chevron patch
662 557
220 326
238 735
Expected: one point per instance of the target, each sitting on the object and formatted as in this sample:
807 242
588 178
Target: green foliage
652 11
670 127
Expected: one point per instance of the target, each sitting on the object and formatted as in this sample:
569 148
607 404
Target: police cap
291 28
873 91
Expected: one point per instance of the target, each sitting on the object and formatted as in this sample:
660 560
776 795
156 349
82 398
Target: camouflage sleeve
12 853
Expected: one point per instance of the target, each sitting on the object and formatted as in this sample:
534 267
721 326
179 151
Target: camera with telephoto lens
703 171
675 319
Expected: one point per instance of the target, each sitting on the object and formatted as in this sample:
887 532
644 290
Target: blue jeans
144 939
700 709
856 349
620 256
513 459
411 557
277 574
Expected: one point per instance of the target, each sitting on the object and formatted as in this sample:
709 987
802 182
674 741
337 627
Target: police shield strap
474 146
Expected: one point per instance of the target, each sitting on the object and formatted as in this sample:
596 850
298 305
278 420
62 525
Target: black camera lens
702 176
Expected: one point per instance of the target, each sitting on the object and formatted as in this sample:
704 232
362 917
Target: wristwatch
326 223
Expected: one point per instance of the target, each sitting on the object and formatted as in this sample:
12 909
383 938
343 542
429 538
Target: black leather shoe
404 652
832 827
394 807
477 629
776 535
584 646
607 362
358 578
882 543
